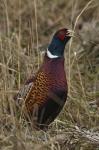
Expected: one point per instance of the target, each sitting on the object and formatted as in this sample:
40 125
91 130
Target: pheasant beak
70 33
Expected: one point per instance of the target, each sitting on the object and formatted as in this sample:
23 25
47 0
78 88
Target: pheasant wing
24 91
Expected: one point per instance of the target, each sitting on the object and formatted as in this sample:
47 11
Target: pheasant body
44 96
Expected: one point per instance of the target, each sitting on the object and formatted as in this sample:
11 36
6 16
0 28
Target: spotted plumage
44 95
38 93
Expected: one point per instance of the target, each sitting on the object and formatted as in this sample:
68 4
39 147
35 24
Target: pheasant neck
51 55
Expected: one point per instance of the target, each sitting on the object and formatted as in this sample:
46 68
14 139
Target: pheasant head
58 42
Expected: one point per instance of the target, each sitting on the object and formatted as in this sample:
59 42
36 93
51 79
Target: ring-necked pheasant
44 95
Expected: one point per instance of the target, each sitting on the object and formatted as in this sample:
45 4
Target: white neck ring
51 55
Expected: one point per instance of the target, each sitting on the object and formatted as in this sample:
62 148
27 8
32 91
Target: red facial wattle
62 34
61 37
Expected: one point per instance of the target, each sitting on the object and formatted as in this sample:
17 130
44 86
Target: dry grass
25 29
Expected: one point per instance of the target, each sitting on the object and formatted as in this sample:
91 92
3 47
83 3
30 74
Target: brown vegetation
25 30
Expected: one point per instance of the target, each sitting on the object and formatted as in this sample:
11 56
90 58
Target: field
26 28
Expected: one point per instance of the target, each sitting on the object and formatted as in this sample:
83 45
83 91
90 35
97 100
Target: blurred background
26 27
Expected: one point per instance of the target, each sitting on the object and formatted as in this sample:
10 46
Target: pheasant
44 95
